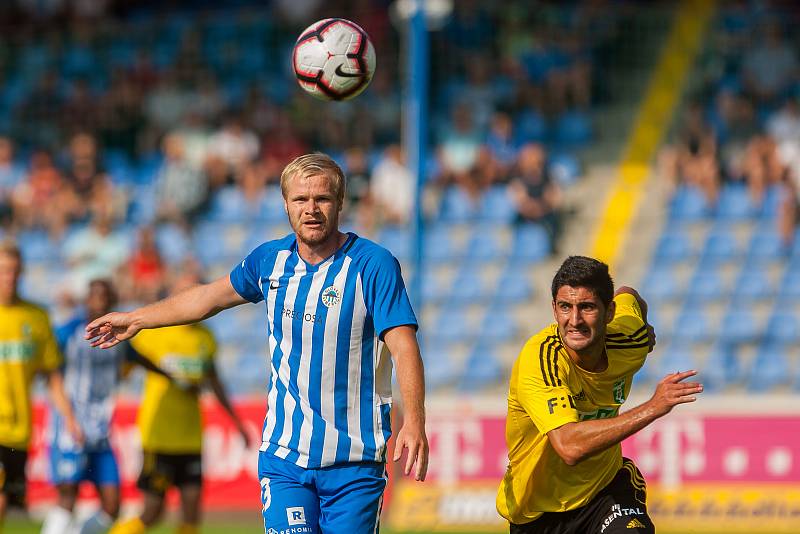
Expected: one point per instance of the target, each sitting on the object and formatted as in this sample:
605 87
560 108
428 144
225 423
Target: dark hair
580 271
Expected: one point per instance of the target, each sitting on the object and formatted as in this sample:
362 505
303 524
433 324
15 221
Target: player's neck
593 359
316 253
8 300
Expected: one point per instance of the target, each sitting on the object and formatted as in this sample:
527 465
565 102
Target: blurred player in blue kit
337 315
91 377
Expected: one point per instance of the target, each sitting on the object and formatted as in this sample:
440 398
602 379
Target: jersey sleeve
628 327
246 277
385 293
542 388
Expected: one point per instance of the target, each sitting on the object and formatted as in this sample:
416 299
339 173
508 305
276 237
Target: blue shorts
73 465
339 498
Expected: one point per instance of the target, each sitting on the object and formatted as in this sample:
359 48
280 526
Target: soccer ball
334 59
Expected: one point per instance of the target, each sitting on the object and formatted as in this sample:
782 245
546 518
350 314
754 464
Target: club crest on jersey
331 296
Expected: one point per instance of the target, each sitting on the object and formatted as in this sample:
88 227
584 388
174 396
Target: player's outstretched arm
402 343
575 442
189 306
55 385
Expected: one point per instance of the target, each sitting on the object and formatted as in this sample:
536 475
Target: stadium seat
573 130
513 285
661 284
397 240
481 369
530 127
739 325
531 243
227 205
783 326
564 168
766 247
439 244
772 202
688 204
720 246
439 369
496 205
752 284
433 289
704 286
173 243
469 287
453 325
722 368
692 325
487 244
36 246
734 204
499 324
679 356
457 206
673 247
271 208
770 368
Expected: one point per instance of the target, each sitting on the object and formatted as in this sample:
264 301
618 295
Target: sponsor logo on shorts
296 515
618 511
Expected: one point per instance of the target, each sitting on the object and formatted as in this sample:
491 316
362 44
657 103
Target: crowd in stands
743 125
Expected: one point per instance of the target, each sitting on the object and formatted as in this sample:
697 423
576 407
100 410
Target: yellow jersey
27 346
169 417
547 390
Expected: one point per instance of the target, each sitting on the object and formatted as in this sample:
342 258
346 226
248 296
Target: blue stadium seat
439 368
770 368
457 206
469 287
227 205
673 247
173 243
530 127
531 243
688 204
722 368
439 244
661 284
772 202
499 325
766 247
272 209
564 168
481 369
740 325
752 284
514 285
735 204
433 290
678 356
452 325
219 242
692 325
397 240
487 245
496 205
783 326
573 130
789 288
720 246
704 286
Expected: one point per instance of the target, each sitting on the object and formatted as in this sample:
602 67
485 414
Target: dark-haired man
566 473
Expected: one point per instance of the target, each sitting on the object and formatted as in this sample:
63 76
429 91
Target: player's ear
555 315
612 308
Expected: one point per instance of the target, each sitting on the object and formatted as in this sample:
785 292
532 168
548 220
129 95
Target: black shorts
160 471
12 475
619 508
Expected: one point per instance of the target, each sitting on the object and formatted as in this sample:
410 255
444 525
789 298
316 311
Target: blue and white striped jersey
91 376
330 386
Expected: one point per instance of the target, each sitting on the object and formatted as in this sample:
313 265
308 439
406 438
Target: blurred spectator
733 121
96 251
692 159
234 145
44 186
120 116
501 144
392 188
769 67
78 113
11 174
356 168
182 188
144 272
36 113
536 197
166 105
196 137
281 145
458 152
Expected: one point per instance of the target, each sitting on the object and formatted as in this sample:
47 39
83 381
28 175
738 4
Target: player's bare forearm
402 343
575 442
224 401
58 395
189 306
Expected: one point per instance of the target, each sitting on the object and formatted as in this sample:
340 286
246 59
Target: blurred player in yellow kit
27 347
170 422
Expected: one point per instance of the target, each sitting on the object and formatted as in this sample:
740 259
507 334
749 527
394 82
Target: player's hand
412 437
110 329
75 431
651 338
672 390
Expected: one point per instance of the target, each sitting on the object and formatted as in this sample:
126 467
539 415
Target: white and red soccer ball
334 59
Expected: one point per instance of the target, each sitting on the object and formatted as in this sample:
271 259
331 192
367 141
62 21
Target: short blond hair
315 164
9 247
